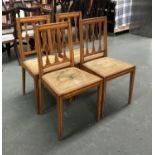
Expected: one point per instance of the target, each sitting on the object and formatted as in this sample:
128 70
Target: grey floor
125 129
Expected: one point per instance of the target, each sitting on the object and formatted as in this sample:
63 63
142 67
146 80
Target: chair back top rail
93 29
50 42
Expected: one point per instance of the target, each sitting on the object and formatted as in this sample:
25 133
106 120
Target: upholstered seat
7 31
32 65
69 79
77 55
107 66
7 38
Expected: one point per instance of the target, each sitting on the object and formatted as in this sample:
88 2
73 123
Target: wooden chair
63 80
73 18
96 60
25 36
9 33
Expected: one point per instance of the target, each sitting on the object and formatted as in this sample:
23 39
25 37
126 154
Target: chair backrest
9 20
29 11
25 29
88 27
102 7
73 18
3 6
46 36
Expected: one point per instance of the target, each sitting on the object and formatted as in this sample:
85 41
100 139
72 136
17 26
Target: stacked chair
68 61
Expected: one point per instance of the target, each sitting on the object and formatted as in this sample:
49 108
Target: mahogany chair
73 18
26 50
63 80
96 60
9 33
29 11
4 7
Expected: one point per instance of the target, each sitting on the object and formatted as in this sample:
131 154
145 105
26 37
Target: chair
105 67
26 35
9 34
63 80
29 11
73 18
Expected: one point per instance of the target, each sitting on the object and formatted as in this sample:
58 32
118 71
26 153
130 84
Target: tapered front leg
23 80
103 97
60 117
39 96
99 101
131 84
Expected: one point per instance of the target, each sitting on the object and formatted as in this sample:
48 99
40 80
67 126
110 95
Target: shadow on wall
141 19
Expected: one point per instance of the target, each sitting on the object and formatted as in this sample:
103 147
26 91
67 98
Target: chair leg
8 49
23 80
131 85
99 101
103 97
60 117
39 108
16 51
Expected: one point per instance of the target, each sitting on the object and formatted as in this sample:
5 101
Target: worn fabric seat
77 55
69 79
7 31
32 65
107 66
7 38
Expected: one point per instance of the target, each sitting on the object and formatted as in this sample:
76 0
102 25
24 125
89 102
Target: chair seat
107 66
77 55
69 79
7 38
32 65
7 31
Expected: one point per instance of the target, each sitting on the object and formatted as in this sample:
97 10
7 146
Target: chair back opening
51 46
26 35
94 32
73 18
